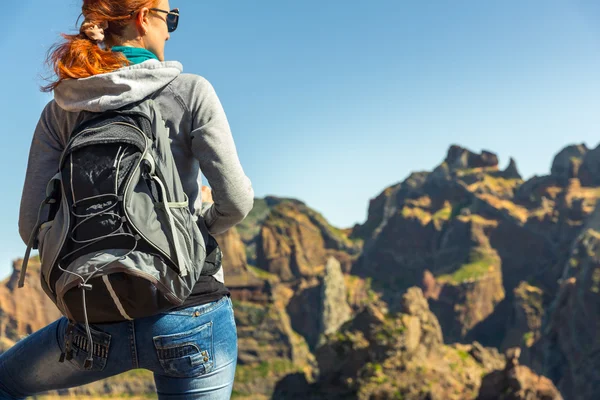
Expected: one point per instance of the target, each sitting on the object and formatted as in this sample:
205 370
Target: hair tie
94 31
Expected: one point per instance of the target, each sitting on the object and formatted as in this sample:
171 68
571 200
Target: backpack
119 241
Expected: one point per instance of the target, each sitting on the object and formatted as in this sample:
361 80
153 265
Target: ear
142 21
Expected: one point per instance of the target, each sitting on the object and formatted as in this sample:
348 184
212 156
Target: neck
137 42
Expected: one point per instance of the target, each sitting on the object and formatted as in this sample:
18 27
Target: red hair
78 56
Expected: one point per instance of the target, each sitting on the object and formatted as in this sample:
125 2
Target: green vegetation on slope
479 264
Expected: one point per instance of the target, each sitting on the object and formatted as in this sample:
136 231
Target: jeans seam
192 313
232 314
57 334
134 359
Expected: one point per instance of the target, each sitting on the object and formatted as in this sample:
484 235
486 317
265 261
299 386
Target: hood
116 89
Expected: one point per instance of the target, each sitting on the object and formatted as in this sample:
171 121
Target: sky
332 101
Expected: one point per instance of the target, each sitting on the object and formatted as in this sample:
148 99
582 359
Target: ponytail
80 55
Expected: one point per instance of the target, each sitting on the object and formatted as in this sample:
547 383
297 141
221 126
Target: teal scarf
135 55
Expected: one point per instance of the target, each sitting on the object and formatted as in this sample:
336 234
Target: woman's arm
214 148
42 165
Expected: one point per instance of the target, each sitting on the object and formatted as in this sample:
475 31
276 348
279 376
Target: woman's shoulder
195 91
192 81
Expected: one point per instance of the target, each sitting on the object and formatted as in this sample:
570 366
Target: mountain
469 234
383 355
464 282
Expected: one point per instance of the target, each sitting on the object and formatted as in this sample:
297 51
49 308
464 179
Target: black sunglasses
172 18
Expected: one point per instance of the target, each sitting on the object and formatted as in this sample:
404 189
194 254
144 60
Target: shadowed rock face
240 280
511 171
424 231
320 306
235 263
295 242
439 225
589 169
517 382
570 339
398 355
461 158
567 162
525 323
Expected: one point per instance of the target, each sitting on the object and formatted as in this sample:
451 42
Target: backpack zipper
63 236
170 295
186 237
180 263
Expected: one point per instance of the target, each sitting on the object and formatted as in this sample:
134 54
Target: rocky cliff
23 311
382 355
570 340
295 242
517 382
470 234
451 268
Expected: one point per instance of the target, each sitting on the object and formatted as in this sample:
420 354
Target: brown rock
460 158
385 205
431 289
525 322
334 309
243 283
295 242
305 310
570 338
414 304
488 357
382 356
534 189
517 383
24 310
511 171
589 170
266 340
566 163
469 293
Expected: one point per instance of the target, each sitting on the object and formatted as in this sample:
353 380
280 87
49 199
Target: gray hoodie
201 139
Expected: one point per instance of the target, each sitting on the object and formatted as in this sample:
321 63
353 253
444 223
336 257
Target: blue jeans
192 352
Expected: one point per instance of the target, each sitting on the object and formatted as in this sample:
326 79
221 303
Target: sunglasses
172 18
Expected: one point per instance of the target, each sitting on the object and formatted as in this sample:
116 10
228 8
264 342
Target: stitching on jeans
134 359
180 335
201 311
193 344
58 336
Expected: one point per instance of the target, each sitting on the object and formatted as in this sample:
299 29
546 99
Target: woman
118 59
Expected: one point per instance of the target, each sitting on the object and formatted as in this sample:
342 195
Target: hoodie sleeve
213 146
42 165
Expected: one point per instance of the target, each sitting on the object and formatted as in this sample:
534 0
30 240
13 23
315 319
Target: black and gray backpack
118 240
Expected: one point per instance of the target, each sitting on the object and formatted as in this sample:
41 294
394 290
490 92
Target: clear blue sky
332 101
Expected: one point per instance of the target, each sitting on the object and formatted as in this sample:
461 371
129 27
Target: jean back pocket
187 354
80 347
